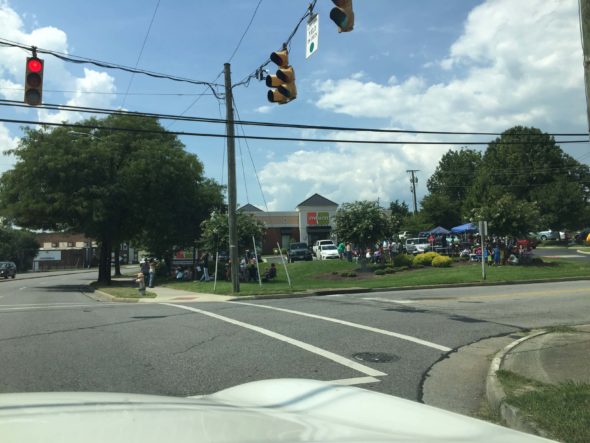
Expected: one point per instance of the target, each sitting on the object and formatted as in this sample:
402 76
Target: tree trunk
104 265
117 264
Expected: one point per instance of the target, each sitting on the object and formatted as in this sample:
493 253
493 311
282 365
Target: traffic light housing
34 81
343 15
284 80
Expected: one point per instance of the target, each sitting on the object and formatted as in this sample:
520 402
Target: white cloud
7 142
264 109
57 75
516 63
92 81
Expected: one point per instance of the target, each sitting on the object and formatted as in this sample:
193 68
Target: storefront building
312 220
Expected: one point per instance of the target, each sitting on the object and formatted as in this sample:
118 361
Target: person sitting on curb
270 273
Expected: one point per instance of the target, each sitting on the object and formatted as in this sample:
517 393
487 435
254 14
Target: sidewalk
169 295
466 381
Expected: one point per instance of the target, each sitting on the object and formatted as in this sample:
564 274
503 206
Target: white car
417 245
327 252
317 244
263 411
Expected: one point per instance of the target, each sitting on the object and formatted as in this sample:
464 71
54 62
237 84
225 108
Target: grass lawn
122 289
314 275
563 410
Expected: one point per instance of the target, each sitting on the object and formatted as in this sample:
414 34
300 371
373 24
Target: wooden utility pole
585 26
231 182
414 180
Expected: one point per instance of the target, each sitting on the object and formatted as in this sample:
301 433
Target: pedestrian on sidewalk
152 272
145 268
205 265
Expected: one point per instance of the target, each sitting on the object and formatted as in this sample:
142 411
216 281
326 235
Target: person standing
341 249
205 264
152 272
145 271
348 249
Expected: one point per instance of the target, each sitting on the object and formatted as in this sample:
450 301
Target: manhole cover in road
375 357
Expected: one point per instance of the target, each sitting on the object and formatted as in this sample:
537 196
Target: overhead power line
106 111
84 60
147 34
258 137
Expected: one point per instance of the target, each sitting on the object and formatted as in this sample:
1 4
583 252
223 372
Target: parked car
327 252
299 251
7 269
417 245
548 235
316 246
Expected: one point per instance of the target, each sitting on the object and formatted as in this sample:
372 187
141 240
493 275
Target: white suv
417 245
316 246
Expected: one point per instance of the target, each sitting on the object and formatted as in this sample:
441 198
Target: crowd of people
497 251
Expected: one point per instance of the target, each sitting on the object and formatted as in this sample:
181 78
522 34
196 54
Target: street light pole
231 182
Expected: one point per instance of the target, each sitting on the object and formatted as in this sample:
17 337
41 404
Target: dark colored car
7 269
299 251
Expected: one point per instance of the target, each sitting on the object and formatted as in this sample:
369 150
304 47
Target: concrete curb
333 291
582 252
497 397
103 296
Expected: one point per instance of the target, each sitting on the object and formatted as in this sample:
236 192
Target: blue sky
457 65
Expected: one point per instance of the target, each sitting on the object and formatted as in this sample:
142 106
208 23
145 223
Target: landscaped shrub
389 270
400 268
380 272
442 261
425 259
403 260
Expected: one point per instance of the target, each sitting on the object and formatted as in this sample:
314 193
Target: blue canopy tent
439 230
464 229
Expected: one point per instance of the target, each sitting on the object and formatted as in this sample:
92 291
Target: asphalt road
55 338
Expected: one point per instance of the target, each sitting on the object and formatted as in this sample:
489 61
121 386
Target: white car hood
282 410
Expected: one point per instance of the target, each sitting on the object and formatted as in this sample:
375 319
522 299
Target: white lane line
355 381
305 346
45 307
354 325
387 300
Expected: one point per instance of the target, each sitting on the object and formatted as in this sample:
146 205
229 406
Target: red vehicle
527 243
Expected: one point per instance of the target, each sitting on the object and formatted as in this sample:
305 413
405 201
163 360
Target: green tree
215 232
111 185
527 164
398 214
508 216
361 222
440 210
454 174
19 246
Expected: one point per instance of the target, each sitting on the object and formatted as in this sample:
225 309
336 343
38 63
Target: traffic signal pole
231 182
585 24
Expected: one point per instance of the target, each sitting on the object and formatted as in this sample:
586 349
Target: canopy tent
462 229
439 230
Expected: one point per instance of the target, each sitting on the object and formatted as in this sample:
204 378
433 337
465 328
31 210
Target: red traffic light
34 65
34 81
